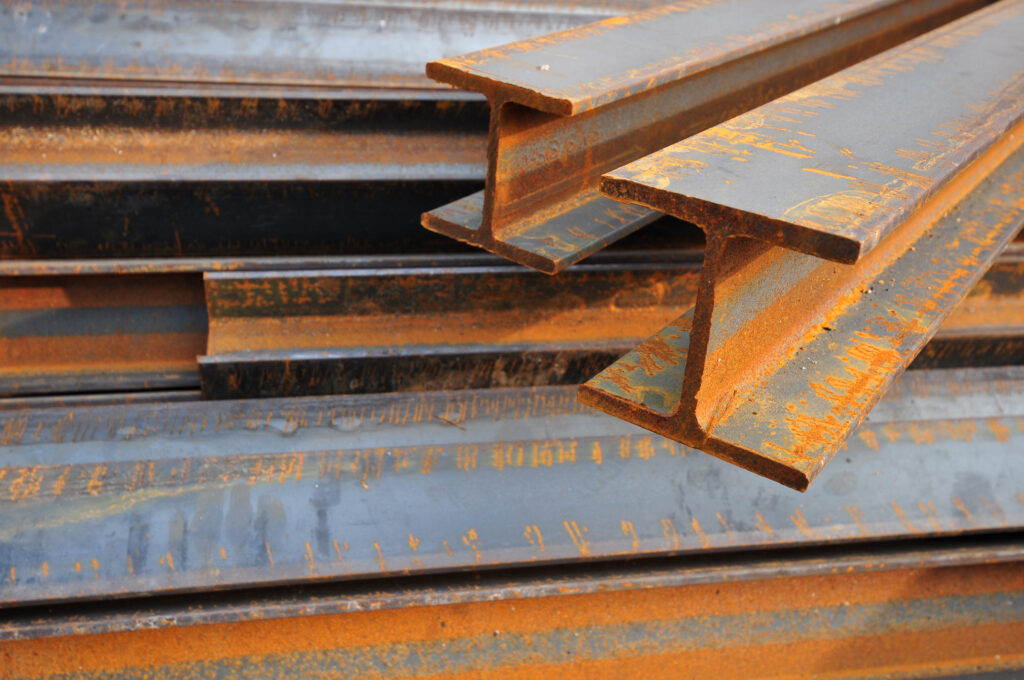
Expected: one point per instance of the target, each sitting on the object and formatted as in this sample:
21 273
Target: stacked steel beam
234 362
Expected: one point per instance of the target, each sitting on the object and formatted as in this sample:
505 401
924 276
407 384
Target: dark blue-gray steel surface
113 500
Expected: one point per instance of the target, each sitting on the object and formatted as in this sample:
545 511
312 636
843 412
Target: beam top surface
832 168
583 68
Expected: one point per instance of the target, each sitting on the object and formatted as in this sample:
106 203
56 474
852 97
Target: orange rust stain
534 537
310 560
668 528
1000 430
869 438
58 485
270 555
705 541
994 509
963 509
95 484
577 536
629 532
904 520
931 513
16 218
802 524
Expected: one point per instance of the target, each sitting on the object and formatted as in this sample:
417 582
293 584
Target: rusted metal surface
63 138
157 498
43 221
908 621
315 599
381 324
569 106
382 330
449 323
117 177
835 248
100 333
263 49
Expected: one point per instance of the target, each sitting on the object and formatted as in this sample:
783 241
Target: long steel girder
839 235
272 49
940 610
60 138
469 322
343 325
569 106
113 499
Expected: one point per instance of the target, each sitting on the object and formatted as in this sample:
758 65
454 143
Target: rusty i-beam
569 106
844 222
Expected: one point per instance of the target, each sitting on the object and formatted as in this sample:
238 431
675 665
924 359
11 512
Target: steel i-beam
569 106
471 321
844 222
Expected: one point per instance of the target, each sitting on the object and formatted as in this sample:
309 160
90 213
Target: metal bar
567 107
61 138
382 324
386 329
102 501
911 620
204 219
317 599
264 49
836 246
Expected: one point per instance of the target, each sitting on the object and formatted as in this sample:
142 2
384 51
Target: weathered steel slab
116 500
911 620
264 49
472 324
835 246
569 106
